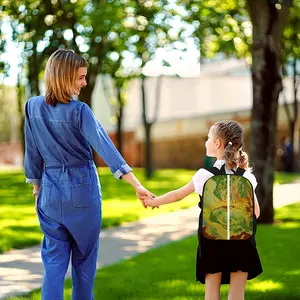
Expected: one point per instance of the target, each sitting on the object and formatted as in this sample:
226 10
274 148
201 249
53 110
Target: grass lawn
19 225
282 178
168 273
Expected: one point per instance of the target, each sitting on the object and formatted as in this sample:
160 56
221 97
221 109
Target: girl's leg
212 286
237 285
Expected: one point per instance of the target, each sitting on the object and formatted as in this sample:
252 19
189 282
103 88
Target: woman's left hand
35 193
36 198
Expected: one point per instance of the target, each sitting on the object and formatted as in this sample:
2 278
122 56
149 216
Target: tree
39 28
220 27
103 26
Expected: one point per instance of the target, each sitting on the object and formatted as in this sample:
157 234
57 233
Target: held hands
152 202
143 194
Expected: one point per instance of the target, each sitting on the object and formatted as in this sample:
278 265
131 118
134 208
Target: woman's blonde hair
231 134
60 75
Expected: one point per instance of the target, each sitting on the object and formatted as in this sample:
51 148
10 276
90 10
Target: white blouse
203 175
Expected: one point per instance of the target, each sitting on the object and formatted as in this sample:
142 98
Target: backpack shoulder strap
216 171
213 170
222 170
239 171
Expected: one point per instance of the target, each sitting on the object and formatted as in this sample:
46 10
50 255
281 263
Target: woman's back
56 131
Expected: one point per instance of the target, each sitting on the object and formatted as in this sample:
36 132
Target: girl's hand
151 202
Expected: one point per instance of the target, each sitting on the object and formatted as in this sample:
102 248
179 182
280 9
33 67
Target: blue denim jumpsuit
58 157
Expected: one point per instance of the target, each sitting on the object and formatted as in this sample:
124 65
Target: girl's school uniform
214 256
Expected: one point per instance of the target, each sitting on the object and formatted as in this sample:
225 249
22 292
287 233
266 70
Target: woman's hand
35 193
141 192
36 198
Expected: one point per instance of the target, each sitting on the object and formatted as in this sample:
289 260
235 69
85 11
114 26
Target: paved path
21 270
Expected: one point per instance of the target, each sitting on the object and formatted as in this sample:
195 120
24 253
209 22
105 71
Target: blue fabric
58 157
64 135
69 211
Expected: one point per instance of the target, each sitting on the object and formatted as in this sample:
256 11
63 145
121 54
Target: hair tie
230 143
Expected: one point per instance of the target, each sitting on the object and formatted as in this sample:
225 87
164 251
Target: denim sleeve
33 162
97 137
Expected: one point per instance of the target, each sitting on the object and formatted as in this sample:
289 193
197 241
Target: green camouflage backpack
227 206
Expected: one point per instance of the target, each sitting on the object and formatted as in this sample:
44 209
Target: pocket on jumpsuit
44 195
81 195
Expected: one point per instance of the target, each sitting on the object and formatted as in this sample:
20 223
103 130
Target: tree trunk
33 74
147 126
268 23
148 150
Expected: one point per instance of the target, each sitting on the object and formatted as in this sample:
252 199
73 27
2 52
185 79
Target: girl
218 261
59 134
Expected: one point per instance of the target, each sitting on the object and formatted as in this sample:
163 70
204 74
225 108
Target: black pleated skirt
215 256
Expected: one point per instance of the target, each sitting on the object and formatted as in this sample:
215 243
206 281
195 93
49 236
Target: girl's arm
256 207
172 196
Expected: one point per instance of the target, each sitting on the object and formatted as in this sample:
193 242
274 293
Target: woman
59 134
